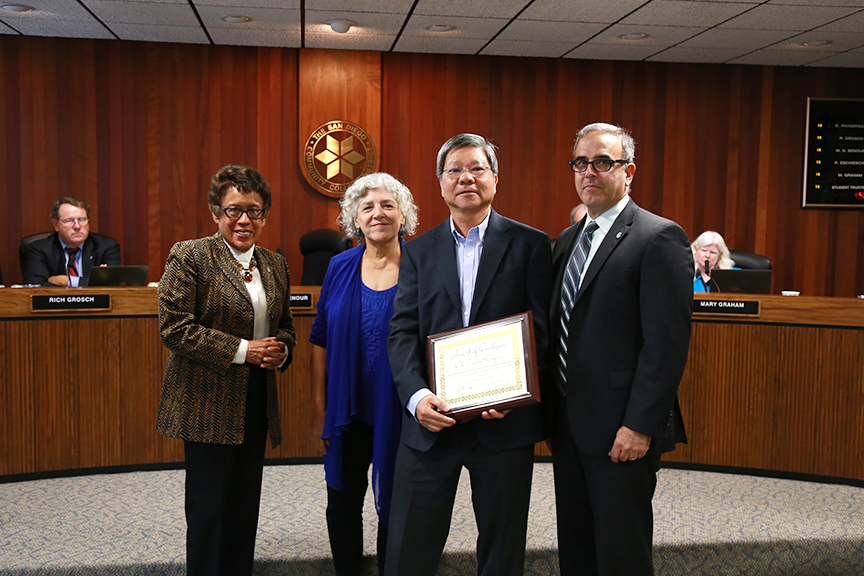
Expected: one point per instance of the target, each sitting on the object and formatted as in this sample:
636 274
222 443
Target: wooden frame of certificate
489 365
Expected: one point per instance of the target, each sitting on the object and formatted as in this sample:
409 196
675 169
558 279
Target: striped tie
569 288
71 266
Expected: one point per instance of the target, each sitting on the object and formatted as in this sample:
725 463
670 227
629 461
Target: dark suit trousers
345 507
424 493
223 494
605 517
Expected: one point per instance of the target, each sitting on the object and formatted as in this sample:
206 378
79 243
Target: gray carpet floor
706 523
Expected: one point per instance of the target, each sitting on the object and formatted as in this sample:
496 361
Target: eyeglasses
475 171
237 213
72 221
580 165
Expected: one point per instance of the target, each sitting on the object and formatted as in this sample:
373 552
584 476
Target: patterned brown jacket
204 311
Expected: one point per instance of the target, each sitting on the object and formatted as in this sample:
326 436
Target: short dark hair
72 201
628 144
467 141
244 179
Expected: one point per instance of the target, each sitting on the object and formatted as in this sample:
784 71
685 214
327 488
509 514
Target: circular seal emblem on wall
336 154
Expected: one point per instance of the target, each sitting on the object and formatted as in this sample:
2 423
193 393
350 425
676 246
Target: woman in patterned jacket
225 317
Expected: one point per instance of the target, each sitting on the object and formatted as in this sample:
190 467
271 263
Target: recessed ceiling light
816 43
236 19
440 28
16 8
634 36
340 26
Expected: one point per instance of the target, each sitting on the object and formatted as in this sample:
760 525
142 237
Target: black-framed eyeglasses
580 165
237 213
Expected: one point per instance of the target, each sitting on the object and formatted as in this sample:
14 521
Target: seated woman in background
355 398
711 248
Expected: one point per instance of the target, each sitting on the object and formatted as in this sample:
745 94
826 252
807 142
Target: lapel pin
617 236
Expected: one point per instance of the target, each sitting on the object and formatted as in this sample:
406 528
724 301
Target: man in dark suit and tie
65 257
620 322
475 267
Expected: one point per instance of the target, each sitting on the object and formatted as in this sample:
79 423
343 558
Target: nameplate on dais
301 300
750 308
70 302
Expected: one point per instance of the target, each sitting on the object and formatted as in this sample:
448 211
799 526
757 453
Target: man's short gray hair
358 190
628 144
467 141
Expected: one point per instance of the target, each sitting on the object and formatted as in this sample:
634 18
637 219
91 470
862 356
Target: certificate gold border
520 326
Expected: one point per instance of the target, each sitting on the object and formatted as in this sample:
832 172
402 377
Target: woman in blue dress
709 248
355 399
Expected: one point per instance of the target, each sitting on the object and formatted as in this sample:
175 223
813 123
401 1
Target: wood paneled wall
139 128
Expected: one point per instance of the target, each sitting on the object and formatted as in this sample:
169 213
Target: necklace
247 272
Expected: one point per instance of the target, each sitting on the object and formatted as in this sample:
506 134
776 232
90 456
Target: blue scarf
337 326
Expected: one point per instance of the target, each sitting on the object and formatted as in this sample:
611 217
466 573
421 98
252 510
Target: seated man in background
65 257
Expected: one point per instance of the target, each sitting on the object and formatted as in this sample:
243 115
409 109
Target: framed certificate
489 365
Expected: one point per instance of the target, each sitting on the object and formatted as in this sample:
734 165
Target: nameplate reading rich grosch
750 308
70 302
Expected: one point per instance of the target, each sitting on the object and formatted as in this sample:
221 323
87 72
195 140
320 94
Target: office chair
25 243
318 247
750 261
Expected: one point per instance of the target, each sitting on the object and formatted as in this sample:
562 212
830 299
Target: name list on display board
834 154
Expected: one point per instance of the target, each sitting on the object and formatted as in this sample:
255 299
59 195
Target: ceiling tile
852 3
682 13
262 18
853 23
243 4
594 51
844 60
778 58
657 35
62 28
484 28
152 33
477 8
47 10
733 39
231 37
777 17
691 54
585 11
385 6
500 47
350 41
536 31
143 12
437 45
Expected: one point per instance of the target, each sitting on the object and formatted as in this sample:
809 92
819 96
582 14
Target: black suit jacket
629 331
46 258
514 276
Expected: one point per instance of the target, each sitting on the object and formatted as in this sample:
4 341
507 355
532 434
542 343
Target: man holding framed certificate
476 268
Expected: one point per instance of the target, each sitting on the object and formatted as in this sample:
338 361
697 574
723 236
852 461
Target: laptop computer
742 281
118 276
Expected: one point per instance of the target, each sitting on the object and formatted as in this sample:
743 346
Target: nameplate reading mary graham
489 365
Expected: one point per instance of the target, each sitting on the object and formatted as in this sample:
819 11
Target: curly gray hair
358 190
